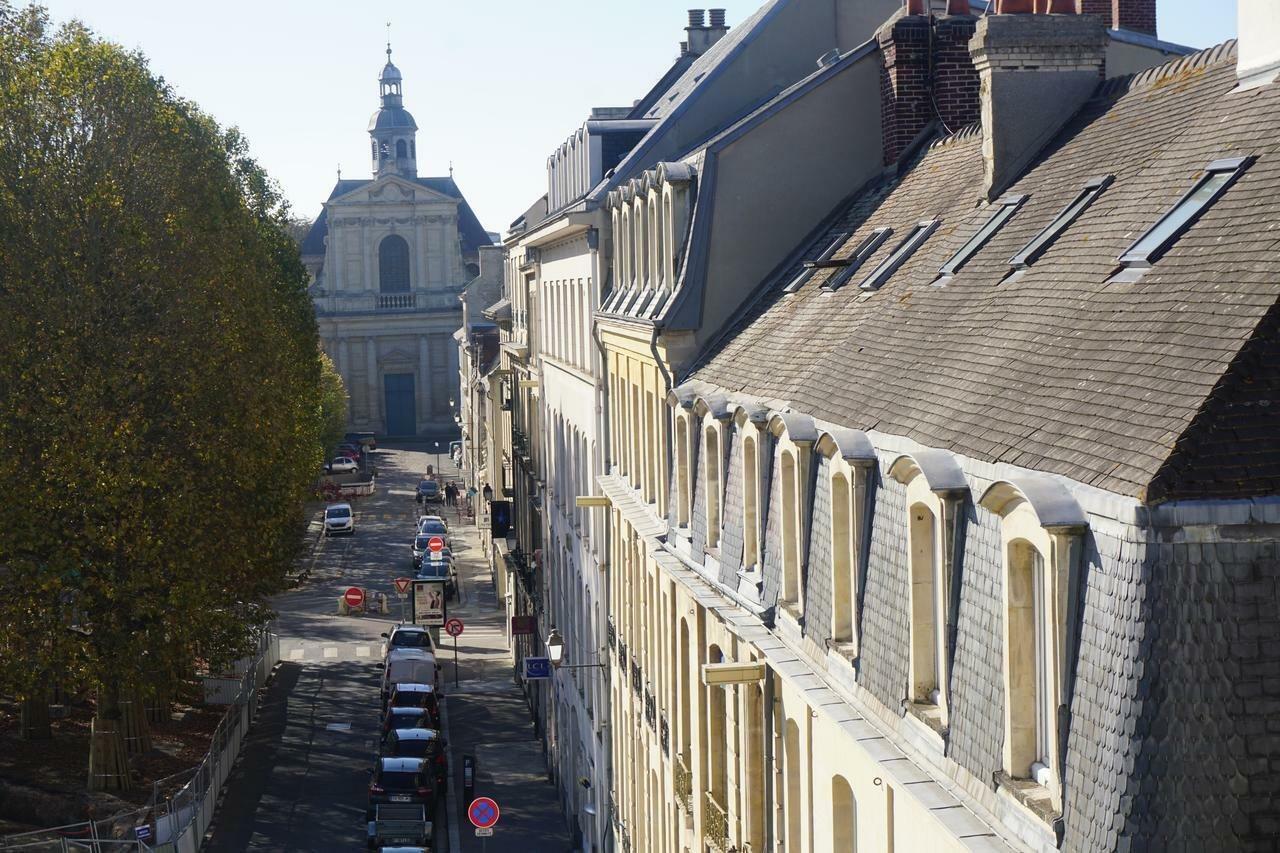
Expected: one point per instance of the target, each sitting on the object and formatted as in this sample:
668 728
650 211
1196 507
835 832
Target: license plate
401 799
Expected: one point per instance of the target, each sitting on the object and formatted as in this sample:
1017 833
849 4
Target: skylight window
914 239
1007 206
823 260
1218 177
865 249
1042 241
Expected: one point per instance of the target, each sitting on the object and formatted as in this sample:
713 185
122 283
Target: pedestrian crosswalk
321 652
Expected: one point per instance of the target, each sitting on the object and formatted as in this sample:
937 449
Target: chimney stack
1036 71
700 35
1136 15
1258 49
926 76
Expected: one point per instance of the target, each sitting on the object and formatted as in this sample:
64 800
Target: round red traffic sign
354 596
483 812
435 544
453 627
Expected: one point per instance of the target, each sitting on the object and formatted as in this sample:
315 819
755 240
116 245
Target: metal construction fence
172 822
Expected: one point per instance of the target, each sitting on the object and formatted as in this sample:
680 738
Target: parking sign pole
455 660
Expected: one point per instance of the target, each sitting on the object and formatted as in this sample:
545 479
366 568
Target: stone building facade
389 257
861 597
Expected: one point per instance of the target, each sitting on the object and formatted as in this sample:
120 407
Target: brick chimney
1036 72
927 74
1258 49
1136 15
702 35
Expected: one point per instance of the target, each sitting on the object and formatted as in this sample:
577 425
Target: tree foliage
159 371
333 403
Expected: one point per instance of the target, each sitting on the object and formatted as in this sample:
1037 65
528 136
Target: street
301 783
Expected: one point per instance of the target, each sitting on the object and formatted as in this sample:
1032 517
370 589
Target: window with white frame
714 482
750 499
789 487
844 580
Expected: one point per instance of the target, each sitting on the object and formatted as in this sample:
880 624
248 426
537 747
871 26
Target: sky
495 85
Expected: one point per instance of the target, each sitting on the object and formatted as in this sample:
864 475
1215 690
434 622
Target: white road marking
331 652
405 492
295 654
362 651
338 727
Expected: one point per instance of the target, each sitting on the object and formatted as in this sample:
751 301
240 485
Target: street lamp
555 652
437 446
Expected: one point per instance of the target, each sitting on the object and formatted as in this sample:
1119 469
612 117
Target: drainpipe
768 759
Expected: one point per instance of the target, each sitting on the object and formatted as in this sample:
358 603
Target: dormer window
1006 207
1042 241
905 250
1216 180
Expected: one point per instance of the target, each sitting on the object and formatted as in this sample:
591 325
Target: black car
406 718
429 492
411 695
426 744
441 569
401 780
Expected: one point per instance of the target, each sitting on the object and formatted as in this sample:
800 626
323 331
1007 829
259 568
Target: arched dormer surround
1042 529
795 435
684 452
712 415
851 458
935 486
751 424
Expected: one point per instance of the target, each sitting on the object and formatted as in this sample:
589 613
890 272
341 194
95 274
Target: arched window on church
393 264
402 150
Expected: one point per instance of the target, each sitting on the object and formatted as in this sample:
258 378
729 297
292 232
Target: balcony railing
650 711
715 823
397 301
664 734
684 784
369 303
622 657
637 683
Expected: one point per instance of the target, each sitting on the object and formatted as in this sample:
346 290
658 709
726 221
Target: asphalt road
302 780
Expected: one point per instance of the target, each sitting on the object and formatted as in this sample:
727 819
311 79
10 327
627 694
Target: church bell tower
392 128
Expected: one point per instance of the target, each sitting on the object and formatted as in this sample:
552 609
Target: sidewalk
488 719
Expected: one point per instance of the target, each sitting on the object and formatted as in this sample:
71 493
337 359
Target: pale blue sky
495 85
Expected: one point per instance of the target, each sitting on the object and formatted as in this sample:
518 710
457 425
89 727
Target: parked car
434 525
414 695
421 545
400 780
406 636
338 518
405 666
399 828
405 718
365 438
424 743
429 492
343 465
440 569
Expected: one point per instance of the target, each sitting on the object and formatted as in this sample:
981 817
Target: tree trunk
35 723
137 734
158 704
108 764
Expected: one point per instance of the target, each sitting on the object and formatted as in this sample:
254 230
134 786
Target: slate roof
469 228
1156 389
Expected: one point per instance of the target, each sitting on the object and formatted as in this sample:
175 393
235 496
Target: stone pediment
392 189
397 355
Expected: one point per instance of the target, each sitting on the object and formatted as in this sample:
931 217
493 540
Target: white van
407 665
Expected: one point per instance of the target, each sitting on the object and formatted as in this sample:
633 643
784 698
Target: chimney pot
1015 7
917 7
958 7
696 17
717 17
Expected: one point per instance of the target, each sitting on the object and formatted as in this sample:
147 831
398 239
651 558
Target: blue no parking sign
537 668
483 812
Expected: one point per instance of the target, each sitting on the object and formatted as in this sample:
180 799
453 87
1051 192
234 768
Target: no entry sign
483 812
453 627
435 544
354 596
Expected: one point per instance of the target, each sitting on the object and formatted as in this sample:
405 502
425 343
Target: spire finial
388 41
451 168
339 171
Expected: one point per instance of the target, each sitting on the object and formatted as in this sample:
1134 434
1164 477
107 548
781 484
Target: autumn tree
160 380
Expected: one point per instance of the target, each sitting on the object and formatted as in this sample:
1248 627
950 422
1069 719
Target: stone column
423 279
367 250
424 382
371 382
335 269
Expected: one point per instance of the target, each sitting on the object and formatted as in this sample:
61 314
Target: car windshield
398 780
421 542
433 569
427 486
415 748
410 639
435 528
416 720
339 512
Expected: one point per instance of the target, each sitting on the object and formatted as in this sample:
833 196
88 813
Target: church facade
388 257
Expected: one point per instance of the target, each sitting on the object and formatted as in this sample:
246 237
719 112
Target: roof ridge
1143 80
967 132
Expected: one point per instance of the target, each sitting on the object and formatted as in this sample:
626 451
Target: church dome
389 73
392 118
